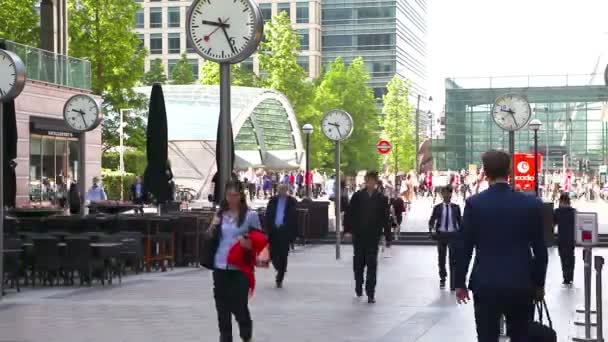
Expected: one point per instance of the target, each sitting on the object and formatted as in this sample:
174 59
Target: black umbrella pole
225 157
1 197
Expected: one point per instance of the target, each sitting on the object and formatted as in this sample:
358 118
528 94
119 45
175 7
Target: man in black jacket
138 194
443 227
505 228
367 218
564 217
282 223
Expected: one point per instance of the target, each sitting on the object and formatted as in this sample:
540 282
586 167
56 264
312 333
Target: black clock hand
218 24
83 120
227 37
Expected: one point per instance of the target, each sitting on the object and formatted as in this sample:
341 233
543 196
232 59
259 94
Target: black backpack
537 330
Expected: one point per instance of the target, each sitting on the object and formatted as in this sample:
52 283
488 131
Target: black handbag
537 330
210 243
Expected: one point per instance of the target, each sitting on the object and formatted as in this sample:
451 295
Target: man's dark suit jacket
506 230
290 218
436 218
367 218
143 197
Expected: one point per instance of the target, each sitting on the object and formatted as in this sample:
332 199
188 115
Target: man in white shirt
444 225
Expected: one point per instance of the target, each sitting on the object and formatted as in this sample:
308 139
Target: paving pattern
316 305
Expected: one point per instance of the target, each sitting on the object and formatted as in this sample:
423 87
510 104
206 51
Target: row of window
156 17
343 16
302 11
359 42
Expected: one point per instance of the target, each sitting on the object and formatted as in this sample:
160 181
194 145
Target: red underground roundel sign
384 147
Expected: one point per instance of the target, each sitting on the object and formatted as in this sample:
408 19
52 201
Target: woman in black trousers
231 285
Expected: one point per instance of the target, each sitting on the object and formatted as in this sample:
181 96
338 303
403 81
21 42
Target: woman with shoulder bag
239 241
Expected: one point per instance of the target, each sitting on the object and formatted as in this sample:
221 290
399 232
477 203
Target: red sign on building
525 171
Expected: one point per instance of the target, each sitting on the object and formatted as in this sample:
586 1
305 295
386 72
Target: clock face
12 75
337 125
225 31
81 112
511 112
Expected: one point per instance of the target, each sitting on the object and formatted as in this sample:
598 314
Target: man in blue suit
506 230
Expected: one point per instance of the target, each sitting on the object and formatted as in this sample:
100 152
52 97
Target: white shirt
447 211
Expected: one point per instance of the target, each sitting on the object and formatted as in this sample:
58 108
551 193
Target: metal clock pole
225 162
512 153
338 200
1 199
82 183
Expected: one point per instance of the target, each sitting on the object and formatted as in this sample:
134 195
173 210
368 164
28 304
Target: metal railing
525 81
47 66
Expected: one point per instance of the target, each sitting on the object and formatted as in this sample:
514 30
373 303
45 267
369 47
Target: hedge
111 183
135 161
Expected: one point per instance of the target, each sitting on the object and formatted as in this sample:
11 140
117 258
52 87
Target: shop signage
525 171
54 133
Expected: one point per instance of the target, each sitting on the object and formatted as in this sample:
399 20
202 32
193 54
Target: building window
375 41
142 40
337 16
139 18
248 64
285 7
194 64
382 69
189 46
156 17
266 11
379 92
303 61
156 43
170 66
337 42
174 43
304 39
376 12
302 15
174 16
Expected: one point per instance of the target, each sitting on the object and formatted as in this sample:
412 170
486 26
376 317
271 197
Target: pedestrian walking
564 218
282 223
236 230
366 219
138 194
444 225
505 228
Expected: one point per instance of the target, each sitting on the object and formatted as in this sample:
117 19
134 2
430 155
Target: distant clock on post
12 75
511 112
224 31
337 125
82 113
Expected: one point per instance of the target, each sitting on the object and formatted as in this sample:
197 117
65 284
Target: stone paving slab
316 305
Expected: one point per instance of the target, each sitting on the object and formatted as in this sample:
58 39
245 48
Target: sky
479 38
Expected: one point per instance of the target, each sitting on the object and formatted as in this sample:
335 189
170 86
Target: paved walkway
316 305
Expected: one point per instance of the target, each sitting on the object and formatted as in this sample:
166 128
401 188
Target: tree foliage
239 75
155 74
278 56
182 72
398 125
19 21
346 88
102 32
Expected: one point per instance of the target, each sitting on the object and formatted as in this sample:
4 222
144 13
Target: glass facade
53 161
271 118
572 115
377 31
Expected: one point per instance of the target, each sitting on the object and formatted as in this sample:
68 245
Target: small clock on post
81 112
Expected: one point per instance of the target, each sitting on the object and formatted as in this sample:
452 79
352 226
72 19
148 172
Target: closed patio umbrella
156 176
10 153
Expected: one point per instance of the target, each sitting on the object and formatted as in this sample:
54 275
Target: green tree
155 74
135 120
20 22
398 125
239 75
278 56
102 32
182 72
346 88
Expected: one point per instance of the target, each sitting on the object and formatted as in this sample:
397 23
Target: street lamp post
418 130
121 166
308 129
535 125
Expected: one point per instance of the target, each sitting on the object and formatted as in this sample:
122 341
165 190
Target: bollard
587 258
599 264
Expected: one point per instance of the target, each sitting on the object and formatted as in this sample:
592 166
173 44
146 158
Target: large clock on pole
224 31
12 75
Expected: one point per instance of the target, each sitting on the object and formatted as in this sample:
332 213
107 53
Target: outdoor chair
132 250
79 258
47 261
12 264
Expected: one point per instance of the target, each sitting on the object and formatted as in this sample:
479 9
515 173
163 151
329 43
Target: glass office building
389 35
572 109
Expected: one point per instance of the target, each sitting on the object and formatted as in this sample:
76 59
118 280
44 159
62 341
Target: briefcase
537 330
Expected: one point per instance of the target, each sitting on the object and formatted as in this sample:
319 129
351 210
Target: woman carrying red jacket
240 241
